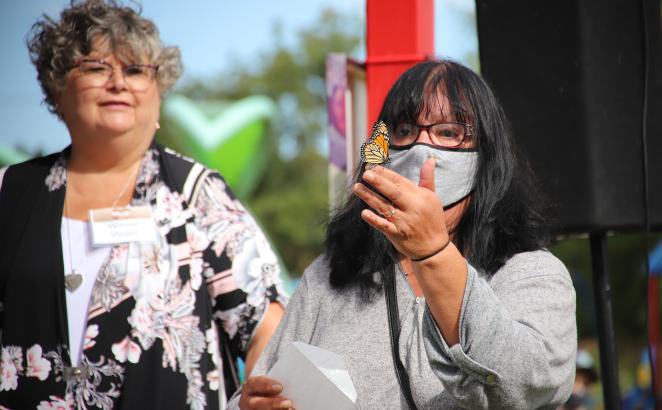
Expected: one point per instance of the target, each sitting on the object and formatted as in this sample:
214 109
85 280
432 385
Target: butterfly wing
382 141
373 153
375 150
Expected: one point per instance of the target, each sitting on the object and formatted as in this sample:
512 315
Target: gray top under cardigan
518 339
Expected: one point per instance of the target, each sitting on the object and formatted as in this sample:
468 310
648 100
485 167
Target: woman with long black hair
453 233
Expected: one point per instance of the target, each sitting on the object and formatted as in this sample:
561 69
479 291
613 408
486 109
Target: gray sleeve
297 324
518 339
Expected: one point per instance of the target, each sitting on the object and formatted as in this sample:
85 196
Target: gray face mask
454 171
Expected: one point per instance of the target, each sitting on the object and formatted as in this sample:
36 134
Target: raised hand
411 216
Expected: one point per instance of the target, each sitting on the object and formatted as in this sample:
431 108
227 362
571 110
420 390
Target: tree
291 201
625 264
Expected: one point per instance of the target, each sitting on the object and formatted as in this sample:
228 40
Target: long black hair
505 215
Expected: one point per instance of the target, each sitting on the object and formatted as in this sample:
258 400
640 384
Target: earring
158 126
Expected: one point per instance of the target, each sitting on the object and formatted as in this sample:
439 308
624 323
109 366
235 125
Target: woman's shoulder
532 264
33 168
189 173
318 271
178 162
316 276
315 284
42 162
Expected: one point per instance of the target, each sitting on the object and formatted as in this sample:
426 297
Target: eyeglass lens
138 77
443 134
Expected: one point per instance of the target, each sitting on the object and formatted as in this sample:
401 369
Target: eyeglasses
442 134
96 73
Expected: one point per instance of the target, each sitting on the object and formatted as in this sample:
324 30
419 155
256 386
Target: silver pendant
73 280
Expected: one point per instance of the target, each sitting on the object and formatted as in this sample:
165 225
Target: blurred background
252 103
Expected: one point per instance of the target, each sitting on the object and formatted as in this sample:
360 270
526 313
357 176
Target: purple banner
336 90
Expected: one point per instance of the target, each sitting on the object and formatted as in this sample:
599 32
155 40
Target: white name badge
120 225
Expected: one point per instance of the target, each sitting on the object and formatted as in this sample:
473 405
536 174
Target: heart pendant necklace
74 278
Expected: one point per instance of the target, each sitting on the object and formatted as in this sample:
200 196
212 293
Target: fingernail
277 388
285 404
355 187
368 176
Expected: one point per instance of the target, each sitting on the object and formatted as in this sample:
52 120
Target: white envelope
314 378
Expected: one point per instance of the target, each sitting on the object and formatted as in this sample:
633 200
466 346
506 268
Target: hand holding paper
261 392
314 378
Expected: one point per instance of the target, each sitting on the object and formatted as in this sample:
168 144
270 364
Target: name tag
120 225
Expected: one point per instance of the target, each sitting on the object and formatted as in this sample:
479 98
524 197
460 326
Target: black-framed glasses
96 73
442 134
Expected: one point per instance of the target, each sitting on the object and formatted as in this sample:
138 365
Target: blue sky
210 33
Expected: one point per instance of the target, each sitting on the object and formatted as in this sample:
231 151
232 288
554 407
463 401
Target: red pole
400 34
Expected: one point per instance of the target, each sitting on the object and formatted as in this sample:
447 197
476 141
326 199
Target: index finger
262 385
387 182
391 175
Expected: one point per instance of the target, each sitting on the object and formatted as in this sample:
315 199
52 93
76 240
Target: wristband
433 253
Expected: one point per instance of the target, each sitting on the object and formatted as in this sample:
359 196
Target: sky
210 34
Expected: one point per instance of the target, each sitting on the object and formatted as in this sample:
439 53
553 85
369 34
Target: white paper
314 378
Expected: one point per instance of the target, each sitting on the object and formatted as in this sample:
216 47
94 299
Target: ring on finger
390 213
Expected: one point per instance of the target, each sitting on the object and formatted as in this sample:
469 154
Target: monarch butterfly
375 150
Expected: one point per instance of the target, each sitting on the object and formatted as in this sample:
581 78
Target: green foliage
294 208
10 155
625 265
291 201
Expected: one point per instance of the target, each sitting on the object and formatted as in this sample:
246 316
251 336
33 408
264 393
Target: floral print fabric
157 308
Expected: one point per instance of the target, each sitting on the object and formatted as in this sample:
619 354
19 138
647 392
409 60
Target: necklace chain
72 270
71 280
117 198
126 185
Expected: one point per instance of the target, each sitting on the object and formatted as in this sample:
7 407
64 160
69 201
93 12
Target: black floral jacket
156 311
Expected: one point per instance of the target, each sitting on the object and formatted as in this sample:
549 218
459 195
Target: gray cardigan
518 339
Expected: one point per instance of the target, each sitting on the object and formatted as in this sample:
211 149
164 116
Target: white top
87 260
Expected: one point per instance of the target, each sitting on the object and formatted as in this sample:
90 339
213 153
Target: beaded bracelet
433 253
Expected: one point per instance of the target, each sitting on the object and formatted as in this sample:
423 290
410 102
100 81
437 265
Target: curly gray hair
55 46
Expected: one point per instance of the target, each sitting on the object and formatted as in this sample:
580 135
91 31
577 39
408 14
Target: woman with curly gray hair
128 274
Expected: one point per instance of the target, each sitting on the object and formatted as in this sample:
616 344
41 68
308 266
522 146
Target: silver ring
390 213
